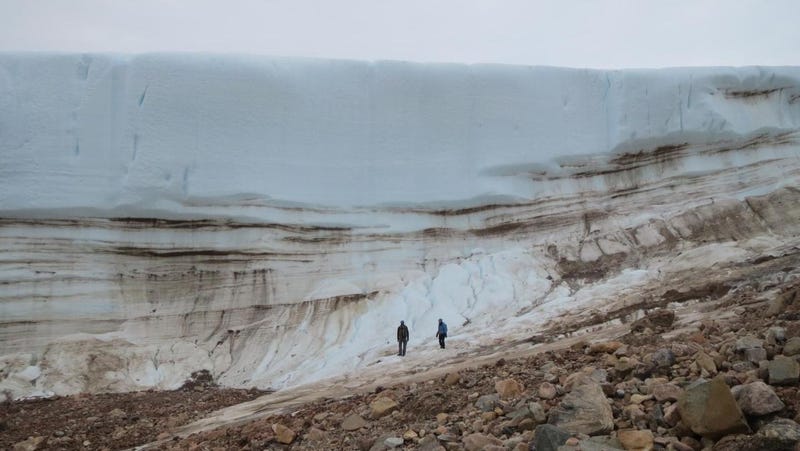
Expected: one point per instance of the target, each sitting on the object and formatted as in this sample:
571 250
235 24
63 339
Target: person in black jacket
402 338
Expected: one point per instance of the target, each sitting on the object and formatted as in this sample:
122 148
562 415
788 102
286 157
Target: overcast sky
576 33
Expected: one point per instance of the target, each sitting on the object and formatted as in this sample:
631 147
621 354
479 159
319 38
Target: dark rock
547 437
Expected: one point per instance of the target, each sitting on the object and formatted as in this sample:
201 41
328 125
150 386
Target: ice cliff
272 219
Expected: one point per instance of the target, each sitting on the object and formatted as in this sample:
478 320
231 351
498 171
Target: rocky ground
111 421
724 379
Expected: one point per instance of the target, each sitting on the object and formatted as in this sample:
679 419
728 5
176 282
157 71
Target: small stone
163 436
758 399
705 362
783 429
606 347
775 335
487 403
382 406
755 355
666 392
636 440
283 434
452 379
117 413
477 441
316 434
393 442
783 371
748 342
572 441
509 388
30 444
638 399
547 390
547 437
353 422
792 347
441 418
410 435
664 358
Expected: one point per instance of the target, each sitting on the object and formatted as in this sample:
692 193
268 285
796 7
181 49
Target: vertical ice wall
271 218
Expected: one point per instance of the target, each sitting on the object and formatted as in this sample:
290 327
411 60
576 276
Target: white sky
576 33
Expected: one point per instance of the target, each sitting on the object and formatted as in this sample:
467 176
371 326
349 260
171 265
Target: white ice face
272 219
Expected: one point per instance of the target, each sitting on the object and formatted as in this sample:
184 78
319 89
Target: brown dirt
114 420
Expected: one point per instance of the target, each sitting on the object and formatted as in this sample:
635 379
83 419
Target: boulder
758 399
709 409
382 406
585 410
783 371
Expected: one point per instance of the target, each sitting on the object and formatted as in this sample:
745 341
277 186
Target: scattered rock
666 392
382 406
353 422
547 390
548 438
452 379
477 441
584 410
705 362
509 388
283 434
31 444
792 347
393 442
635 440
606 347
709 409
664 358
783 371
758 399
487 403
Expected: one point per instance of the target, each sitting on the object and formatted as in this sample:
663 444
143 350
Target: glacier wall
272 219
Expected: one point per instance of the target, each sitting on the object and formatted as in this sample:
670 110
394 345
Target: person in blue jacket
441 333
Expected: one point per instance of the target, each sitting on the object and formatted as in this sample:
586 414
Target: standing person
441 333
402 338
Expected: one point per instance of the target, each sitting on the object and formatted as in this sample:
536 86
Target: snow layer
272 219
